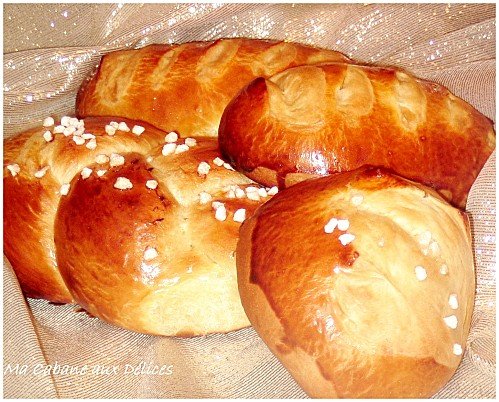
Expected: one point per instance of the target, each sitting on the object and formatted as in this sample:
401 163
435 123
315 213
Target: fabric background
50 48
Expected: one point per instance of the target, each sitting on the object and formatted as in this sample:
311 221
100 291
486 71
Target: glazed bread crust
93 244
312 121
366 317
186 87
30 203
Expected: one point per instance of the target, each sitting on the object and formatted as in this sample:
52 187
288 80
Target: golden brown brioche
375 305
30 202
129 239
316 120
185 87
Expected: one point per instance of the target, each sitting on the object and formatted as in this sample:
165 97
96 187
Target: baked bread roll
317 120
374 304
186 87
139 230
37 163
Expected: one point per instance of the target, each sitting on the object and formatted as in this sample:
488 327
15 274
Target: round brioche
375 305
316 120
151 258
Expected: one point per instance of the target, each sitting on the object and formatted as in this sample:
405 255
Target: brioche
312 121
44 163
361 283
185 87
139 228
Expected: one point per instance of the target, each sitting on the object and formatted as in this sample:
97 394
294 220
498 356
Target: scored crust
185 87
331 118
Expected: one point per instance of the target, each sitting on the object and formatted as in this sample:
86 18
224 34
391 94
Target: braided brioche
361 283
186 87
317 120
32 195
139 232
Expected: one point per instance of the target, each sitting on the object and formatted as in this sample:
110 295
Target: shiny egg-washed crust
30 204
185 87
317 120
89 245
353 320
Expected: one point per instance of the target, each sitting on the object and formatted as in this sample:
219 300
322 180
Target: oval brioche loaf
317 120
137 226
185 87
361 283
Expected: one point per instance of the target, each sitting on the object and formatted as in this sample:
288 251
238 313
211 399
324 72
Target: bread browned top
317 120
30 202
185 87
123 229
376 304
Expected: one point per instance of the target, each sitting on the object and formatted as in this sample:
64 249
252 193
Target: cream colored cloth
50 48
